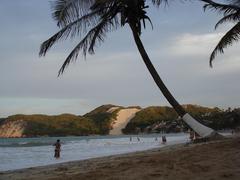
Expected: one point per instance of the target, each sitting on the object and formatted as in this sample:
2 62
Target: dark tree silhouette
93 19
231 13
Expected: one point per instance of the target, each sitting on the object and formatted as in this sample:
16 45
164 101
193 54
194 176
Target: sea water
18 153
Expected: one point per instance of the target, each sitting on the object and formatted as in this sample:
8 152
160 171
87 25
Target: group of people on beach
193 136
57 145
130 139
164 139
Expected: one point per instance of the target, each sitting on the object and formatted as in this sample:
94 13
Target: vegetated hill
151 117
103 117
2 119
199 111
148 116
101 109
98 121
110 117
228 119
43 125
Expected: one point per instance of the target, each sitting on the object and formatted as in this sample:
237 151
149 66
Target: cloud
193 50
194 44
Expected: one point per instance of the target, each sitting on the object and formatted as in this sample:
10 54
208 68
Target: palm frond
157 3
227 40
221 8
66 11
228 18
92 19
72 29
87 44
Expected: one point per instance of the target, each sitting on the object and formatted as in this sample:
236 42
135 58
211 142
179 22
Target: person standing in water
164 139
57 149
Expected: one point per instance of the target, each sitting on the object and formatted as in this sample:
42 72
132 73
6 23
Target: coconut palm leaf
87 44
227 40
78 17
160 2
229 18
231 13
66 11
221 8
72 29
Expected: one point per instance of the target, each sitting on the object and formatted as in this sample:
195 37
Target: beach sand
219 160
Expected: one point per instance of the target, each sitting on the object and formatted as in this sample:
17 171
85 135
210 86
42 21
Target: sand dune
123 117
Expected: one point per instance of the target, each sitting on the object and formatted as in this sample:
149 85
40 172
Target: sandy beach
209 161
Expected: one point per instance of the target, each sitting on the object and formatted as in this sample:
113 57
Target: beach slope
219 160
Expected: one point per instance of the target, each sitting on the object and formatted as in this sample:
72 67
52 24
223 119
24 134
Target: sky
179 46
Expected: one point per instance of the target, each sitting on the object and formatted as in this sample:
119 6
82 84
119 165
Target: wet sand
219 160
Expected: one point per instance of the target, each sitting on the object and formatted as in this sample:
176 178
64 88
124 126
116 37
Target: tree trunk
194 124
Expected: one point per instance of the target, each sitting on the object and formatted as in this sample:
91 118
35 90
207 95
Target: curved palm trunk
202 130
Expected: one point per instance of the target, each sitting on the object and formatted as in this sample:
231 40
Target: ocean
19 153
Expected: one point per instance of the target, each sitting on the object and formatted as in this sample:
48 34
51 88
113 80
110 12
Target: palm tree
93 19
231 13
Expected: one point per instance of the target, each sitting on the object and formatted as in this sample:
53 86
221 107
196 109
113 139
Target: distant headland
116 120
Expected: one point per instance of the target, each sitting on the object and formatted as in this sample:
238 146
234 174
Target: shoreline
165 148
211 160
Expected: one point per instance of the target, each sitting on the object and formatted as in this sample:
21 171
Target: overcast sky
179 46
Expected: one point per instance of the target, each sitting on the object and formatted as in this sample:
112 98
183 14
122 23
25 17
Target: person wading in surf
57 149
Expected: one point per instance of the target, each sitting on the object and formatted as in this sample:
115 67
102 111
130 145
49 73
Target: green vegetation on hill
99 121
101 109
103 119
61 125
1 120
199 111
228 119
149 116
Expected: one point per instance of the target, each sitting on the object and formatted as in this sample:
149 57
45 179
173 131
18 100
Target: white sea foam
24 153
